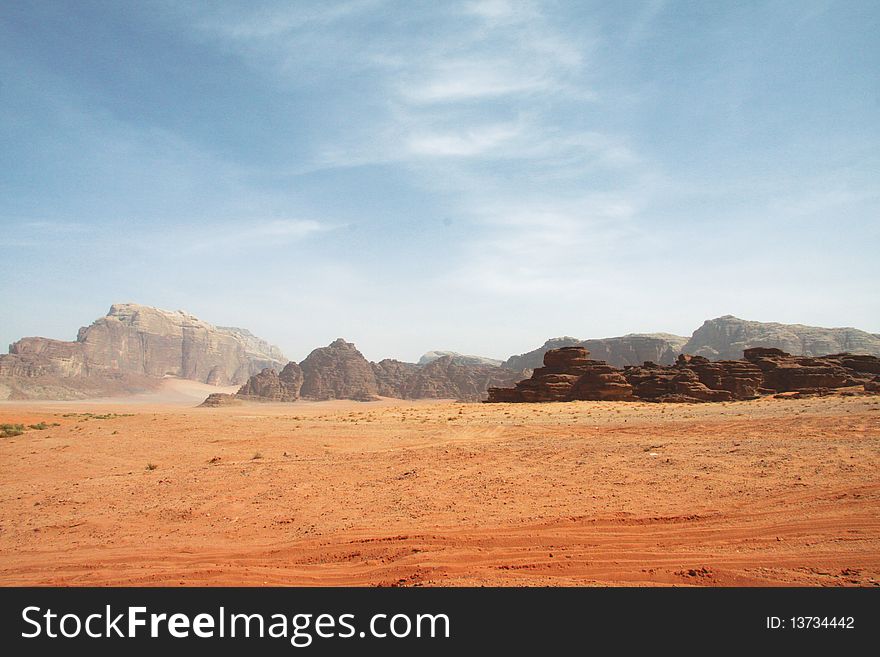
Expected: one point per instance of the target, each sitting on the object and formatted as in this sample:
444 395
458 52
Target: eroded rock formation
783 372
568 374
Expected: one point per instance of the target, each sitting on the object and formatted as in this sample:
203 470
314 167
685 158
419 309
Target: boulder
217 399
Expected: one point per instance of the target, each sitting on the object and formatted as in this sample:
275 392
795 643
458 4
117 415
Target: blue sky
476 176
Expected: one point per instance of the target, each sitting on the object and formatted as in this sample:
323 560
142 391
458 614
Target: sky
476 176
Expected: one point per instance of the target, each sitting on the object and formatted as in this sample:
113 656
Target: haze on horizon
476 176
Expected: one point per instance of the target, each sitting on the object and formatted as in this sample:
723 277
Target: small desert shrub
38 427
151 466
9 430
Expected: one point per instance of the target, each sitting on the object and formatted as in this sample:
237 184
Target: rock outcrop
568 374
130 345
725 338
269 385
786 373
695 379
338 371
659 383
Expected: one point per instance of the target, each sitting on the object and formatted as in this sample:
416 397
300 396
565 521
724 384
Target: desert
155 490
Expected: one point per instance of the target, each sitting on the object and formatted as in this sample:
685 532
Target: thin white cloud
251 234
280 21
473 79
472 142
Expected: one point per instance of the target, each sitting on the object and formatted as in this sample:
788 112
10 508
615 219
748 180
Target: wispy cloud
249 234
471 142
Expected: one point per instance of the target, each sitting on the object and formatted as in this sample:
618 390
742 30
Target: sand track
772 492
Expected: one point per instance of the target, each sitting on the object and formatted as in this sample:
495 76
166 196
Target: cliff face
534 359
144 340
636 348
132 344
726 338
632 349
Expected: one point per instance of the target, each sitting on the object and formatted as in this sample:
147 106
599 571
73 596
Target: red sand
769 492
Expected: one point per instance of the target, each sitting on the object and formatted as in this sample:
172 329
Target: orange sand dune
770 492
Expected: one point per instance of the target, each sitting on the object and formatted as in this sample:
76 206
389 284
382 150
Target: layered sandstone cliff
130 345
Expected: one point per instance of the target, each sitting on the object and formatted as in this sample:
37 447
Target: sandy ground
769 492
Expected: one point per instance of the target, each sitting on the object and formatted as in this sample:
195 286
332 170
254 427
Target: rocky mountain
444 378
270 385
338 371
392 376
131 345
728 336
458 359
632 349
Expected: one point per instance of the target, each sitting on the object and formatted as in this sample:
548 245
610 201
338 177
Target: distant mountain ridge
632 349
725 338
134 346
457 358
